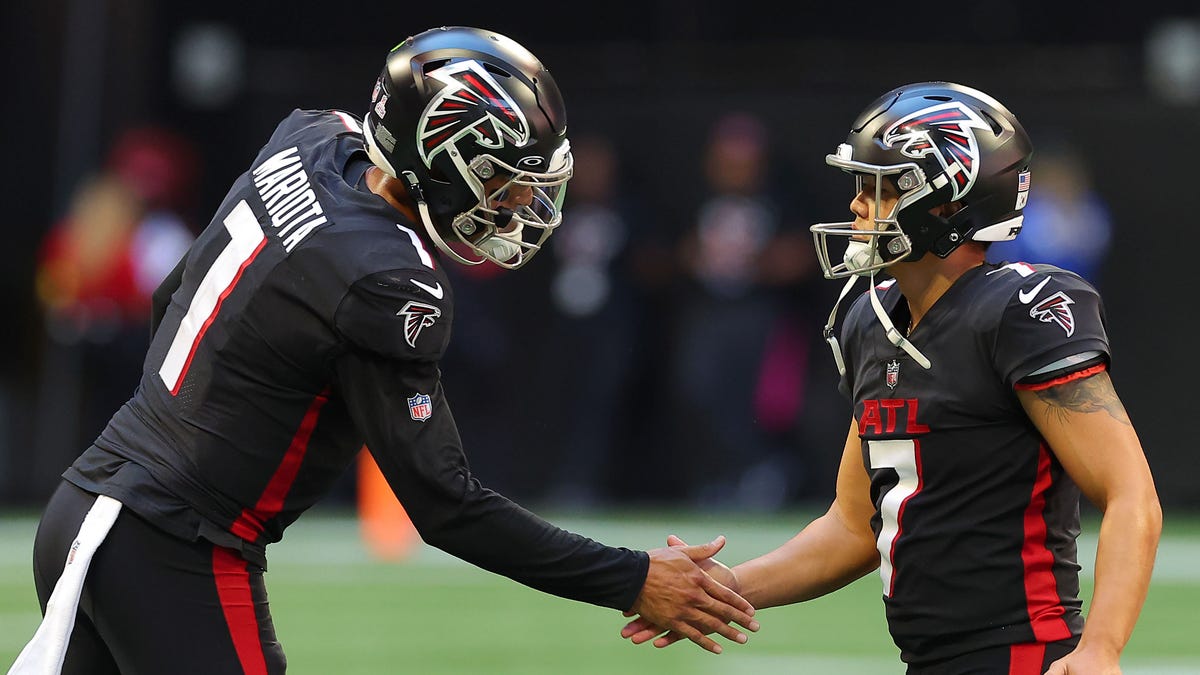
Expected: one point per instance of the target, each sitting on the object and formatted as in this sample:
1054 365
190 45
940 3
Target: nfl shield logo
420 407
893 374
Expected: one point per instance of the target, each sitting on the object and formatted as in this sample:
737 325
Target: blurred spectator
739 363
162 167
97 268
481 363
86 278
591 337
1067 223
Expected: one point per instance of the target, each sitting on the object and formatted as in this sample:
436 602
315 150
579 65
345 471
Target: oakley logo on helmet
417 316
472 102
1056 309
944 131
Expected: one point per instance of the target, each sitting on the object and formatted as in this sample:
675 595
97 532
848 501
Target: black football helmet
936 143
457 107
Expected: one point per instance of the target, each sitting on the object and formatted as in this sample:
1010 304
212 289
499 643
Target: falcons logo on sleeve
946 132
470 103
1056 309
417 317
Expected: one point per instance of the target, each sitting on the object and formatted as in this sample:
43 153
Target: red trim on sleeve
1026 658
250 524
1070 377
1041 588
237 602
350 123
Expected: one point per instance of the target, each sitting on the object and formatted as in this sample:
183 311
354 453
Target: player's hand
1084 661
642 629
681 598
711 566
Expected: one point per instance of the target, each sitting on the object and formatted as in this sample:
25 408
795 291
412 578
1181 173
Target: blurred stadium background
637 380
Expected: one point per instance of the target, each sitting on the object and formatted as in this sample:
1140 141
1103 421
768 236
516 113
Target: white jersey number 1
246 240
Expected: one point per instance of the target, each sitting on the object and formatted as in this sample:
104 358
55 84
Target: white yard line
749 664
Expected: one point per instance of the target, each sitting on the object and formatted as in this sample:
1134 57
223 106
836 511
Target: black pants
153 603
1022 659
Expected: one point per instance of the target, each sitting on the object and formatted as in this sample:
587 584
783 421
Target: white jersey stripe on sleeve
426 259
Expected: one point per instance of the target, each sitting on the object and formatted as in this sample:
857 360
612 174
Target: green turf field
339 612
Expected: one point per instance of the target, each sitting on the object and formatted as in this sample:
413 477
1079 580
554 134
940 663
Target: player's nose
858 207
517 196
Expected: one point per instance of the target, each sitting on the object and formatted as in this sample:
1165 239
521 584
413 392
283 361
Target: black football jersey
307 321
975 518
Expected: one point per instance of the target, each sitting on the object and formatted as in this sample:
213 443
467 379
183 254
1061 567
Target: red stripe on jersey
213 316
1077 375
1041 589
348 121
233 590
1026 658
250 524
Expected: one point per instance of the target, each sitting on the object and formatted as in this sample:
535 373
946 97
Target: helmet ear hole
997 128
430 66
495 70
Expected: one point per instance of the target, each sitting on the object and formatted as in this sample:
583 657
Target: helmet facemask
869 251
498 229
888 242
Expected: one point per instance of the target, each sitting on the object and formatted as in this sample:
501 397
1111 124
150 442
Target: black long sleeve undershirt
425 465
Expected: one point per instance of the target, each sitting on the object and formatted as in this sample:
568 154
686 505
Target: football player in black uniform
308 320
982 407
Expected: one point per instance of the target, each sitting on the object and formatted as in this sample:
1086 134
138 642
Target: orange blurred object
385 526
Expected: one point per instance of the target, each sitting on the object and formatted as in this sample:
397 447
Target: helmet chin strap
414 190
828 330
894 335
889 328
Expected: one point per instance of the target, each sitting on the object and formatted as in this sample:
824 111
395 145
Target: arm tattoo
1087 395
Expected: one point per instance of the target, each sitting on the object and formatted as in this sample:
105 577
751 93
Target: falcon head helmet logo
1056 309
945 131
417 316
472 102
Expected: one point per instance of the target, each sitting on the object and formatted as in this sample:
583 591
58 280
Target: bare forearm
1129 534
823 557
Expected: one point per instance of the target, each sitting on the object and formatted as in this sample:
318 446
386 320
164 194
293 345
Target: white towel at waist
45 652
